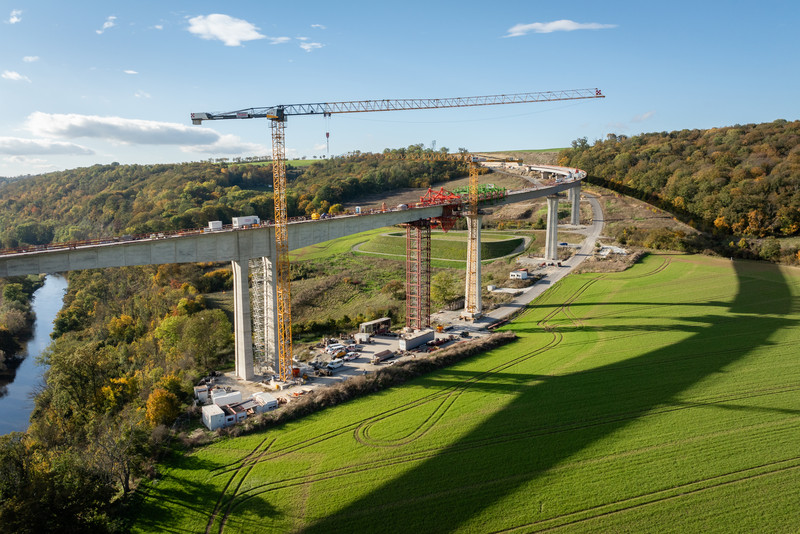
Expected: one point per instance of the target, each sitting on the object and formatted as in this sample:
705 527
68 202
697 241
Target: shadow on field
552 420
162 501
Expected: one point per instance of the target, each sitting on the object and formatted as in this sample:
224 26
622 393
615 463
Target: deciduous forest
739 184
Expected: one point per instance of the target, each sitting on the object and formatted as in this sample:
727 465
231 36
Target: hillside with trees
129 345
109 200
741 181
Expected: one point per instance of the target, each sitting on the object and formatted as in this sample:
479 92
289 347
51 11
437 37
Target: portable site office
378 326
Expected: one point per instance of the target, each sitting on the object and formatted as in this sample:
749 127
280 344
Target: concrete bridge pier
551 234
575 197
242 329
472 294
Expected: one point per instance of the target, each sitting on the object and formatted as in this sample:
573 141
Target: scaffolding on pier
418 274
261 294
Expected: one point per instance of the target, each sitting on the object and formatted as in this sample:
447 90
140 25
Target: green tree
396 289
445 287
14 293
118 447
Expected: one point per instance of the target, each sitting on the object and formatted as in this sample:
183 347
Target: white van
334 348
335 364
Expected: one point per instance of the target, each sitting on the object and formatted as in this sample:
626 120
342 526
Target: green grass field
445 247
662 399
325 250
450 246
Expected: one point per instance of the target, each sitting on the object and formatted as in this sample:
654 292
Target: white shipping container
221 399
239 222
266 401
213 417
415 340
215 225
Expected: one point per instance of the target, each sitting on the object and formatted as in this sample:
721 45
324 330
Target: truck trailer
378 357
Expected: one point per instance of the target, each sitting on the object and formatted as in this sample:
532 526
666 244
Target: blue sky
97 81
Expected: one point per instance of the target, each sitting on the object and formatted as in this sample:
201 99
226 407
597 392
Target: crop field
661 399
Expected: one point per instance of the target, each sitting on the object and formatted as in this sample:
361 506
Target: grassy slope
444 247
662 398
323 251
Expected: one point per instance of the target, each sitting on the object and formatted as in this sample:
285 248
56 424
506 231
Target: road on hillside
552 275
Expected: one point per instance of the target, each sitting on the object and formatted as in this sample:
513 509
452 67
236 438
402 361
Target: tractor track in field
244 469
659 496
446 398
427 454
452 393
238 499
361 428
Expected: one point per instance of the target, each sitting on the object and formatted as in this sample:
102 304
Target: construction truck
383 355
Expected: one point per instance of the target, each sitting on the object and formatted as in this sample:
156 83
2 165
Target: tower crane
278 115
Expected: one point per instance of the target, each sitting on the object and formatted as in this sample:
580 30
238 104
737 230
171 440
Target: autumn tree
162 407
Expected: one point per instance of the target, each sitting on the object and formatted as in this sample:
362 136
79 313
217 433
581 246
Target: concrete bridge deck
228 245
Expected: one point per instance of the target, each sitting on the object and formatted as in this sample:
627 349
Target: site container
241 222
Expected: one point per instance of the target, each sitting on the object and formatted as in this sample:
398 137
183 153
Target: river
17 403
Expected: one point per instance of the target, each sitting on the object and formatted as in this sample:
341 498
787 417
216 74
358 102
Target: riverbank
18 383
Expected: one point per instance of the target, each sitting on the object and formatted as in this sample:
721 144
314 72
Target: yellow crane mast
278 115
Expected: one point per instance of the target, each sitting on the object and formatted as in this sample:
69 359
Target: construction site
272 288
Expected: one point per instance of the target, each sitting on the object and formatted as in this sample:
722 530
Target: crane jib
363 106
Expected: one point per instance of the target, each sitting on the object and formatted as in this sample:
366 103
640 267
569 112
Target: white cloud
17 146
159 26
25 159
229 145
555 26
308 47
109 23
141 94
118 129
279 40
227 29
130 72
16 16
318 26
30 59
643 117
15 76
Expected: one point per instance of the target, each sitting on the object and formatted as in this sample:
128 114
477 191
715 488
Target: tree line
114 200
740 185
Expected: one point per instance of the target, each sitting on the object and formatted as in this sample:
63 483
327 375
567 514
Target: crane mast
278 114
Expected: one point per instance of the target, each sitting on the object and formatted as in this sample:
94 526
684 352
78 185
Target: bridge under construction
252 251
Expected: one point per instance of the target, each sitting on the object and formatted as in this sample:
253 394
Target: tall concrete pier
473 306
574 194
